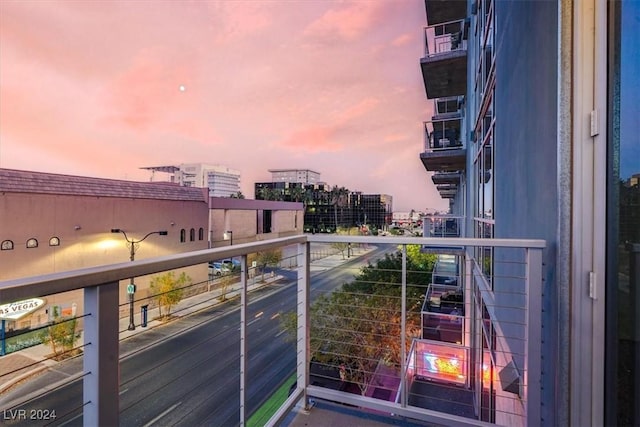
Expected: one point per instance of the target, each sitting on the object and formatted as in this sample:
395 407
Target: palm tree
297 193
267 193
339 197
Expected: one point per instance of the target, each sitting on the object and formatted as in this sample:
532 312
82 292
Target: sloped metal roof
17 181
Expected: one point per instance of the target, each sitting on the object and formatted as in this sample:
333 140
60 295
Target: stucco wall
83 226
244 225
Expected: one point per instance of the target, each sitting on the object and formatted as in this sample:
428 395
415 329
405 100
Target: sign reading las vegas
18 309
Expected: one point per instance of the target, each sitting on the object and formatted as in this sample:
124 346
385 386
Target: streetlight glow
133 246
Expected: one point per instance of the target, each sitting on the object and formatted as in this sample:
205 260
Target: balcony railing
444 65
444 149
444 38
442 135
353 322
443 225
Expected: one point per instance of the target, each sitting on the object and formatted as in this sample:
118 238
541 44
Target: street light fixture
133 247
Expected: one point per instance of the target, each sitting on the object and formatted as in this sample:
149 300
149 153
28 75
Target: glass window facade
484 91
623 217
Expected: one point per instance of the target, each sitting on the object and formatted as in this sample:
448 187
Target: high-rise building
220 180
534 135
302 176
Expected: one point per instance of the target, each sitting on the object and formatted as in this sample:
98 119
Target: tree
297 193
227 279
358 330
62 334
423 261
341 246
168 290
237 195
266 258
339 198
359 325
268 193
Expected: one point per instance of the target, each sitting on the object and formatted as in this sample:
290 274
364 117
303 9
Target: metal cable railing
350 328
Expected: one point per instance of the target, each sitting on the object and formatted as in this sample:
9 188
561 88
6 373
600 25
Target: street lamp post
133 246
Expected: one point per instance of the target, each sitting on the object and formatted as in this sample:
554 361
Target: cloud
348 22
360 109
402 40
329 85
233 22
145 94
313 140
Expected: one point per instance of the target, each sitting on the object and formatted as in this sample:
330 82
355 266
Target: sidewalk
16 367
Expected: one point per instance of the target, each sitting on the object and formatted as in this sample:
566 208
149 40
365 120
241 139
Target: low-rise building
52 223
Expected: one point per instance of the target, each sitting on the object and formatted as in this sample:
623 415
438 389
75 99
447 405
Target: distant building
327 208
301 176
235 221
220 180
405 218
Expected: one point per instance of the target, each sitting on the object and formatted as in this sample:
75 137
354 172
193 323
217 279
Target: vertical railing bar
243 337
403 331
475 321
533 363
303 338
100 385
470 312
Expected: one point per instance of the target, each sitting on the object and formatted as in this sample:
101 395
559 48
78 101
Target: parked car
231 263
217 268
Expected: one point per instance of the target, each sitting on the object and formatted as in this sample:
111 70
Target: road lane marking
281 332
275 315
259 314
124 391
162 414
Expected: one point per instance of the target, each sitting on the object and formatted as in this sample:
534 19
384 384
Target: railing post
243 338
532 359
403 331
303 339
472 338
101 353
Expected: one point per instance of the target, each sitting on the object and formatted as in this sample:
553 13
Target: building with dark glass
328 208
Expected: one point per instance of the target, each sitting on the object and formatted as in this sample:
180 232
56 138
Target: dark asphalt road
187 372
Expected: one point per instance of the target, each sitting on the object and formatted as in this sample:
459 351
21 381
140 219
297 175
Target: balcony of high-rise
444 64
444 150
441 178
341 330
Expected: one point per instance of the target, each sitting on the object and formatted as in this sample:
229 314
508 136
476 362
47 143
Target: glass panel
487 208
623 227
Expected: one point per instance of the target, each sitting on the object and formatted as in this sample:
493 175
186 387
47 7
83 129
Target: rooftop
17 181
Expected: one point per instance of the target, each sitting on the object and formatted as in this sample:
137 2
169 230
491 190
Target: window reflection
623 225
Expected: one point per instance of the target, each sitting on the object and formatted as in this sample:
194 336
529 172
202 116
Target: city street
187 372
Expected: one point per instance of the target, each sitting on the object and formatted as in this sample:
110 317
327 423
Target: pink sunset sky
93 88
